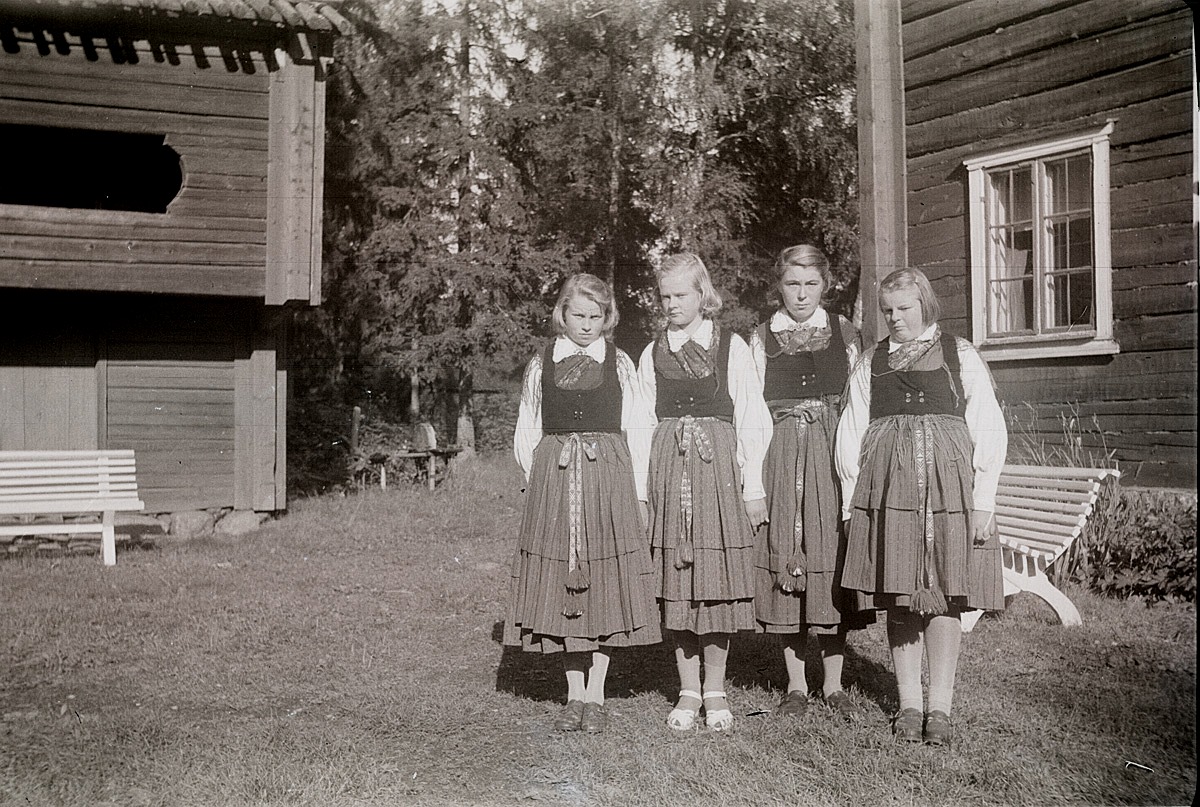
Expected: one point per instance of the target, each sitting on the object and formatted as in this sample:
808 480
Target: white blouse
782 321
751 418
985 422
638 431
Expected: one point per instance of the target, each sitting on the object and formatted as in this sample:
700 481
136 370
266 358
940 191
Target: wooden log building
160 211
1037 159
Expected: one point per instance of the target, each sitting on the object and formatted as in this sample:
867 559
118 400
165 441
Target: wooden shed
159 214
1037 159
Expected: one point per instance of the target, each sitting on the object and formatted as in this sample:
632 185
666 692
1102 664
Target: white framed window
1041 261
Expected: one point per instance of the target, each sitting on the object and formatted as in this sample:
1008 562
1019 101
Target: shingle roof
313 16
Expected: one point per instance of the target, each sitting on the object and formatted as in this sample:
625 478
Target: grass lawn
348 654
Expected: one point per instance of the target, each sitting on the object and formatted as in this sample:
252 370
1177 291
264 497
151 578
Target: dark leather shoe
907 725
595 718
570 718
840 703
937 729
794 704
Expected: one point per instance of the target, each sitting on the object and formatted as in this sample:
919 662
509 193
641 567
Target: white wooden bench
1040 511
37 483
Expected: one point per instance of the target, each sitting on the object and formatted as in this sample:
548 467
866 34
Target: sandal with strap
717 719
684 719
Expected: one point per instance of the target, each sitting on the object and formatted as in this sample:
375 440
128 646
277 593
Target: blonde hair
591 288
902 279
690 263
809 257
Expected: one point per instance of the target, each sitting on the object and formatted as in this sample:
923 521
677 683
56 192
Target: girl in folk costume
919 449
582 582
706 495
803 355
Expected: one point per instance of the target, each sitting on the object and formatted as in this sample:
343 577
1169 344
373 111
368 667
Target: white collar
927 336
564 347
676 339
782 321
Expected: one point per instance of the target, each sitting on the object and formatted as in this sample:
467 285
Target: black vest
917 392
699 397
805 374
583 410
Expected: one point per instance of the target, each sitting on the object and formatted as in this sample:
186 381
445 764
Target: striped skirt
700 535
581 577
800 551
910 529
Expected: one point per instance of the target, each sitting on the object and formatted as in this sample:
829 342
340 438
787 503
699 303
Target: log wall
211 240
982 76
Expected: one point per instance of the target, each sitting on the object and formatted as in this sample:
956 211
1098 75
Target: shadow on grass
754 660
540 677
757 660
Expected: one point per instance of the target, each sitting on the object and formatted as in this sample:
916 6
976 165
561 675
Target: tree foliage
481 150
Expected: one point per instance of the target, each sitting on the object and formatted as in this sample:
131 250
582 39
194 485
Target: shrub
1148 546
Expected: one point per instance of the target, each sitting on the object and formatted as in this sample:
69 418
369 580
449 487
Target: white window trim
1099 342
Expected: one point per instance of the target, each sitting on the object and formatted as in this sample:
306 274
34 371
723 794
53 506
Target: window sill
1037 349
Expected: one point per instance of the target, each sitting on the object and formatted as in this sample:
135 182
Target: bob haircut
591 288
808 256
690 264
903 279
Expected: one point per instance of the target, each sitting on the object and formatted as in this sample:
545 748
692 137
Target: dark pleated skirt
714 593
886 541
803 448
618 607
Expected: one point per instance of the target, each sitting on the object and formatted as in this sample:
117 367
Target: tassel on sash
927 597
803 414
690 436
577 573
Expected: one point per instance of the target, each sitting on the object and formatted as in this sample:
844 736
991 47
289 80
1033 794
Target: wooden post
355 421
882 202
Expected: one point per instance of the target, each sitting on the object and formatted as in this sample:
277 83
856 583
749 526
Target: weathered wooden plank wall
48 391
170 396
981 76
190 384
212 239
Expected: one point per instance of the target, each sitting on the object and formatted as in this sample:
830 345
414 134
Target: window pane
1010 306
1022 194
1069 301
1079 255
1069 184
1080 182
998 184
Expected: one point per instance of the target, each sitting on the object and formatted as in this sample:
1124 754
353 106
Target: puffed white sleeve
759 351
851 337
856 417
648 385
751 418
985 422
636 421
529 416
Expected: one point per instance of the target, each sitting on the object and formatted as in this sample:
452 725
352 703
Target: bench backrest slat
25 470
1058 472
93 505
70 455
1067 532
1041 516
1045 505
33 492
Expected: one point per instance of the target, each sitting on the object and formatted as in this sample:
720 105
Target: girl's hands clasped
757 510
983 527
